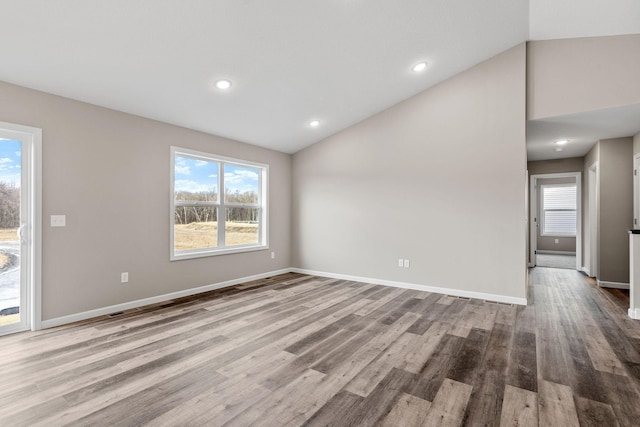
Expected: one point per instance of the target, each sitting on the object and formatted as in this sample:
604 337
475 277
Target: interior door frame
31 222
591 249
636 190
534 220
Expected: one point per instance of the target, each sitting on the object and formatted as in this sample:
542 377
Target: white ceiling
290 61
582 130
561 19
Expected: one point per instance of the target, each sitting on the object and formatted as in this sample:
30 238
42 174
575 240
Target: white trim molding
613 285
425 288
545 252
63 320
634 313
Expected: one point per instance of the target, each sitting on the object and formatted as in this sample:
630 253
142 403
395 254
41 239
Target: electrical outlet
58 220
124 277
273 255
406 263
557 241
400 262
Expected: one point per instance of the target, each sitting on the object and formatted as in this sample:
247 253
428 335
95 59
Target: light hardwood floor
299 350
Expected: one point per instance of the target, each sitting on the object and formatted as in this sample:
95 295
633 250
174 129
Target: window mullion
194 203
222 211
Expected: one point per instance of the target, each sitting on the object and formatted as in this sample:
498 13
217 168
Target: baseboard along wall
425 288
542 251
613 285
63 320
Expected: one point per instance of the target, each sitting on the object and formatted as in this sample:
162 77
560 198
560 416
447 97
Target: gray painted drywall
548 243
616 208
573 164
108 172
438 179
636 143
575 75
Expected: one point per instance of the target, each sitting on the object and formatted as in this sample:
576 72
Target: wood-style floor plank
449 405
556 405
519 408
295 350
409 411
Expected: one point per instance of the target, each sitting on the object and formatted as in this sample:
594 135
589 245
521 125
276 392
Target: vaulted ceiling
289 61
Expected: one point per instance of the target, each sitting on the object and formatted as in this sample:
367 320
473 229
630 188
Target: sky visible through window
10 161
196 176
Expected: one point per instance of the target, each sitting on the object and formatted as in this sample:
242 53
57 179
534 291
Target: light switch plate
58 220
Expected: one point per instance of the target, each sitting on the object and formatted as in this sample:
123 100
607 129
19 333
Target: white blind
559 209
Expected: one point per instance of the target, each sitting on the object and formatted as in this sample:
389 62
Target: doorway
558 217
20 227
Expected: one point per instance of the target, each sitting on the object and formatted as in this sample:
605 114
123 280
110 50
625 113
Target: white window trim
542 210
263 197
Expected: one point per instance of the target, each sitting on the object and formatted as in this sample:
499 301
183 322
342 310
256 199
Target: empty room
335 213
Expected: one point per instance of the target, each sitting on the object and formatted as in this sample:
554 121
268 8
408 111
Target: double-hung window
218 204
558 210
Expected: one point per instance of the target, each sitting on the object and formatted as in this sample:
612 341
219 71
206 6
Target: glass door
12 289
20 227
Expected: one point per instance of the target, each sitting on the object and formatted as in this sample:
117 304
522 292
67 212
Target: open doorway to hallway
555 220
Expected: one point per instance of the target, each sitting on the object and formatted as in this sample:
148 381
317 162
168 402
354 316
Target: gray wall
573 164
574 75
108 172
636 144
438 179
616 208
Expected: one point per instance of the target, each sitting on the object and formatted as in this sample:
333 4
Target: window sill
215 252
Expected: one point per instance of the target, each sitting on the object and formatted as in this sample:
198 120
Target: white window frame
542 210
221 249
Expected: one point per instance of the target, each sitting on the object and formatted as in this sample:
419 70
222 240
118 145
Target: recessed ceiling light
314 123
223 84
420 66
558 149
562 141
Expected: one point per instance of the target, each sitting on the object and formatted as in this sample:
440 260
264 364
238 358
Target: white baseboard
57 321
614 285
63 320
405 285
634 313
585 270
555 252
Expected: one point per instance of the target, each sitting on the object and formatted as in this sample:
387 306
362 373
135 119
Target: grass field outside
8 234
9 319
200 235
